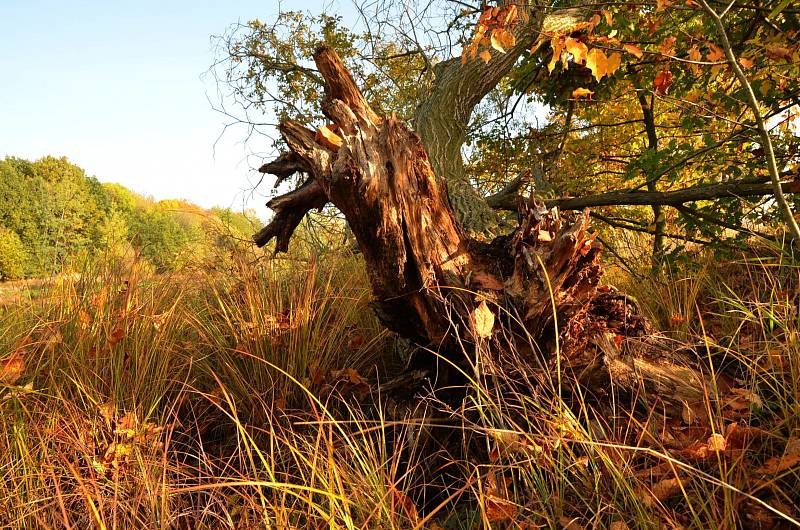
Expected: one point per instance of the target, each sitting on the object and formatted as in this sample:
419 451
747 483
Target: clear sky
117 88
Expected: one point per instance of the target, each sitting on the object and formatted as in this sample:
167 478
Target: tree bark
523 301
442 119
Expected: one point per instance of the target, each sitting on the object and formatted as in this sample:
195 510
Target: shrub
12 255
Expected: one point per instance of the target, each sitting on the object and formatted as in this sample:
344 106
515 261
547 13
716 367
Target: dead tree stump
536 292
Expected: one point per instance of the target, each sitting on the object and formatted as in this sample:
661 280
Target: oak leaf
558 47
775 51
484 280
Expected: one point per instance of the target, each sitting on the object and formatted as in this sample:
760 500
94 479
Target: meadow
246 393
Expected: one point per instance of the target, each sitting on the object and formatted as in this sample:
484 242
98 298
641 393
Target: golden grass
221 399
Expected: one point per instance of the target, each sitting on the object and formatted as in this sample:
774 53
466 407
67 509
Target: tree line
52 213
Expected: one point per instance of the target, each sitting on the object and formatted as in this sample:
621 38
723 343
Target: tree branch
673 198
289 211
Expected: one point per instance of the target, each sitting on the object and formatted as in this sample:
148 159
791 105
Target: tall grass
220 397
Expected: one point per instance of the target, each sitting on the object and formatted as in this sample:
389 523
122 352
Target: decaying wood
434 284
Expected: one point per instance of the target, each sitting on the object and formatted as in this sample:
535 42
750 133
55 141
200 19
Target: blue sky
117 87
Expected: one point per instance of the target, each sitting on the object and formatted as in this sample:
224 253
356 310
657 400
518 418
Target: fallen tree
536 292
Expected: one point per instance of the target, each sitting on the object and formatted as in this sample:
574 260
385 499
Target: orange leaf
486 56
117 335
609 16
582 93
661 5
667 46
502 40
597 62
663 81
407 506
327 137
747 63
695 55
775 51
633 50
716 54
663 490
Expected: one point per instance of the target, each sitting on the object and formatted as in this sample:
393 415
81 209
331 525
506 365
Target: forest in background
53 215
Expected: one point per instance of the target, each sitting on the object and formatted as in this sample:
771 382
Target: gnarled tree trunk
536 291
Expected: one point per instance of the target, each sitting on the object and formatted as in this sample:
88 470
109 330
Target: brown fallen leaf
483 320
12 369
499 509
570 523
406 505
777 464
663 490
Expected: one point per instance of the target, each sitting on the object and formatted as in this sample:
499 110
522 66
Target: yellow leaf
633 50
495 40
597 62
614 60
483 321
582 93
558 46
486 56
577 49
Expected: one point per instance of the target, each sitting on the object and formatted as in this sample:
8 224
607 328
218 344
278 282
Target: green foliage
12 255
270 66
57 213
